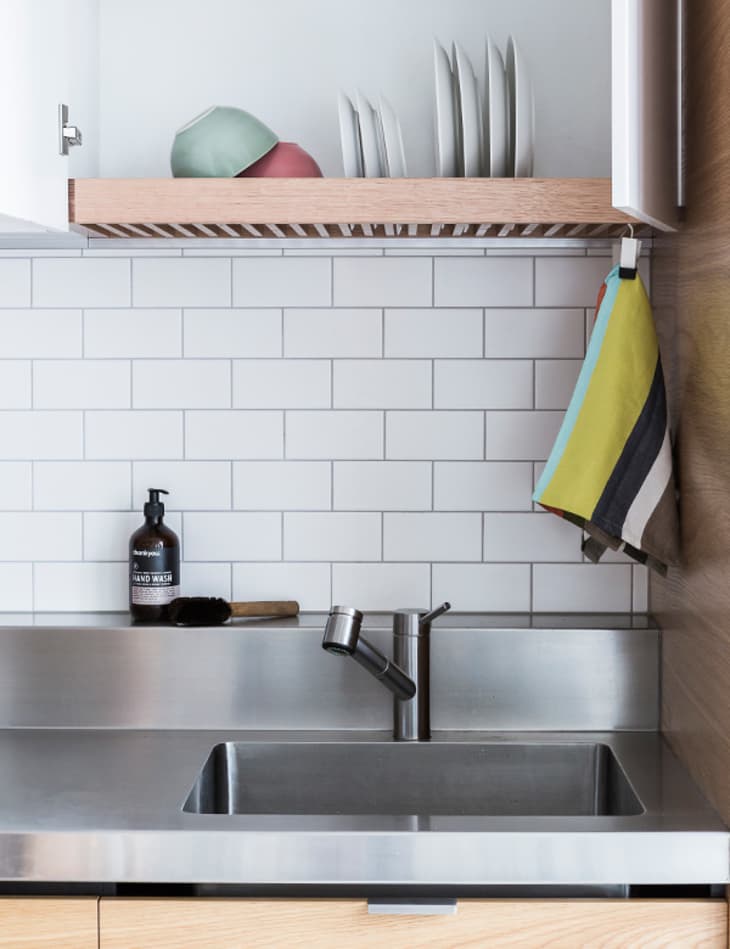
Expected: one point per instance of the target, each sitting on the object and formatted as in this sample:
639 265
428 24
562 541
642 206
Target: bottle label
154 576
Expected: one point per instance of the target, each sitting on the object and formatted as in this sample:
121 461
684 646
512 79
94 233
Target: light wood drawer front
346 924
44 923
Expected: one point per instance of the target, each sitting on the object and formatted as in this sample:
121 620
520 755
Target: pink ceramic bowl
285 160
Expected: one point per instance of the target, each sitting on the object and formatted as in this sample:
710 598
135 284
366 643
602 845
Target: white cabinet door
48 55
645 69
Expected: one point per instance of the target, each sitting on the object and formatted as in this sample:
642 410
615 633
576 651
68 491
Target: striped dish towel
610 470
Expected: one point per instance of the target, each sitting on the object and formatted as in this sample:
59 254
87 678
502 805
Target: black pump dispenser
154 507
154 564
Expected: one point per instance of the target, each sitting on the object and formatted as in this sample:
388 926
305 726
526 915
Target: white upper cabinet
646 63
48 55
133 71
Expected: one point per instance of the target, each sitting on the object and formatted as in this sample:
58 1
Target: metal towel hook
629 255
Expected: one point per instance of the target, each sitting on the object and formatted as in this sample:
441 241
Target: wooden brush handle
265 608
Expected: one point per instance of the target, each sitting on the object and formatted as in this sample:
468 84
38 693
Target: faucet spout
342 637
385 670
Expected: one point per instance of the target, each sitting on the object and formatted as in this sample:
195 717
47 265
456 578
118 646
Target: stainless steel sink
500 779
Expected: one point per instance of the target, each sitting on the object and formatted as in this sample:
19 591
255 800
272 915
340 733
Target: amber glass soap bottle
154 564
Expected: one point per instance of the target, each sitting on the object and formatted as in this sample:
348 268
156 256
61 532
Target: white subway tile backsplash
281 485
332 536
334 435
232 333
81 384
307 583
434 435
337 332
32 535
107 533
526 538
482 486
81 282
133 434
356 425
382 586
193 485
281 383
230 435
382 281
433 333
432 536
488 588
131 333
181 384
15 384
80 587
555 381
282 281
232 535
521 436
382 384
176 282
206 579
16 587
14 283
569 281
528 333
40 334
41 435
382 485
483 281
16 485
81 485
482 384
640 591
583 588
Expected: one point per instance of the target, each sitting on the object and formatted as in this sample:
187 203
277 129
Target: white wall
361 427
164 61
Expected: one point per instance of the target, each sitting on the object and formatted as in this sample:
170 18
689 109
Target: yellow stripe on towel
615 396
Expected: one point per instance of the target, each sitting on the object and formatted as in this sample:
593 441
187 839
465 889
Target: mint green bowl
220 143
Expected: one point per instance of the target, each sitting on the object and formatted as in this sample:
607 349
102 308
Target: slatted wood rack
346 207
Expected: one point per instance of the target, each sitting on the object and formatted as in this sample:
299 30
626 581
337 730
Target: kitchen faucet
407 675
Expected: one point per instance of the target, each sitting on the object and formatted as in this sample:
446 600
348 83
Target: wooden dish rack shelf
415 208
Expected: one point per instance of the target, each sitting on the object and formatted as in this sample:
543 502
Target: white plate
521 114
470 111
445 114
369 138
394 152
496 136
349 137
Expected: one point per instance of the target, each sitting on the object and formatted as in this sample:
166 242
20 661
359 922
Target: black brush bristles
198 611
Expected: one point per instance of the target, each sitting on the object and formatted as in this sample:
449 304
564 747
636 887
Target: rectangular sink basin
431 778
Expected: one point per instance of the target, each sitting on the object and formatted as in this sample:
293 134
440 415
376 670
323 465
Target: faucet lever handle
435 613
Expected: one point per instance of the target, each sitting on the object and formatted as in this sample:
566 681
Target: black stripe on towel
634 464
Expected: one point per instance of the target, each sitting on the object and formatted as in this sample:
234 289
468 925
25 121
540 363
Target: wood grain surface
332 201
334 924
691 289
45 923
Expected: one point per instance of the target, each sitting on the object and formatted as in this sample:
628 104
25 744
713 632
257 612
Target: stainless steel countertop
106 805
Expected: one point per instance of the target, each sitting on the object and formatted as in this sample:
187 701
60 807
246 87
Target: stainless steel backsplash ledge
489 673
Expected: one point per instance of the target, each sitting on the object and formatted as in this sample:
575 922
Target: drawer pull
385 906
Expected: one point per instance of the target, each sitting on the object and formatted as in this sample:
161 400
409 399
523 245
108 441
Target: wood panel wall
691 288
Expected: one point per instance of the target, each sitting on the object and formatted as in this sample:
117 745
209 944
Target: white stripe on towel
648 495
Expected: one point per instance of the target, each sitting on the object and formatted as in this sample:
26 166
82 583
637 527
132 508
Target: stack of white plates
489 134
371 138
493 140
